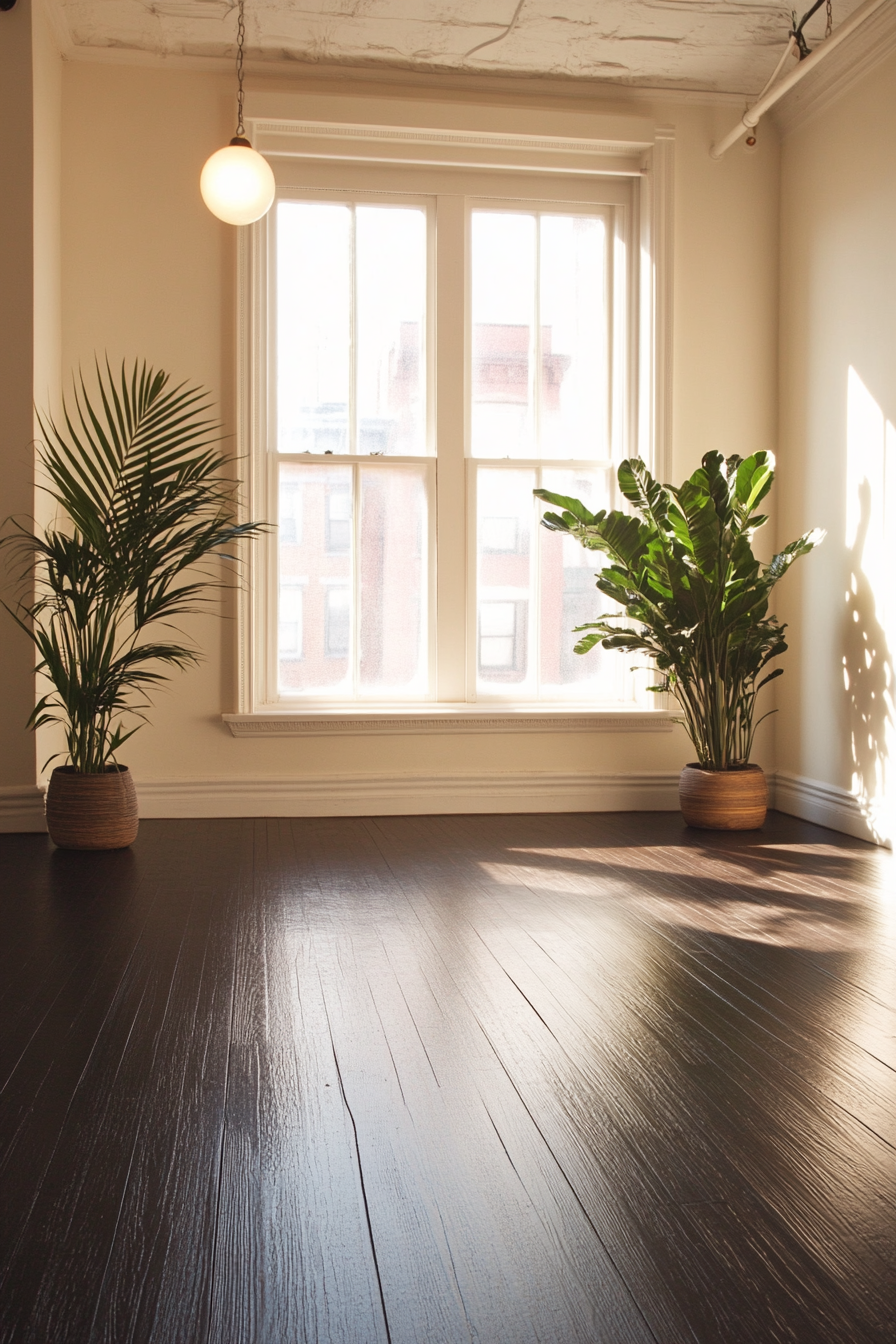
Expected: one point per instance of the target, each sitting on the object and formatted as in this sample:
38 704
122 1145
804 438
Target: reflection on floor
591 1078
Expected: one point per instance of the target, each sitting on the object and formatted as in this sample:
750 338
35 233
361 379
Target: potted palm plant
682 569
141 499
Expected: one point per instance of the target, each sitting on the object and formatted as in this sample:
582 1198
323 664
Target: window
290 639
431 358
500 533
338 622
541 371
338 530
290 509
502 636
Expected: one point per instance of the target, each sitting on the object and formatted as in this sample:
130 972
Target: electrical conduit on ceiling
770 96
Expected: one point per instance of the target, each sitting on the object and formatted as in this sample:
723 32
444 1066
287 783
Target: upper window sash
605 302
334 315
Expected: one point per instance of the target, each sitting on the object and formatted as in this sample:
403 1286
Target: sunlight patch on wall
870 617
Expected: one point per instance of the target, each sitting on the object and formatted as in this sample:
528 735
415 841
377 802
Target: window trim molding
423 146
655 374
655 170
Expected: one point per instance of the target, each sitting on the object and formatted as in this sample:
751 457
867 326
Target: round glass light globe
237 184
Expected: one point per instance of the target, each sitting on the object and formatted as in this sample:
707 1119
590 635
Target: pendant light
236 183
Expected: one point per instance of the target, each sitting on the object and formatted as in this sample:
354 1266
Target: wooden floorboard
560 1079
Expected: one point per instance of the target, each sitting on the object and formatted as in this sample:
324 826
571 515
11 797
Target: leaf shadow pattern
762 907
868 680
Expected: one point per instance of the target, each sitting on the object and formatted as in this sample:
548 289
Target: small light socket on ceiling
7 5
237 183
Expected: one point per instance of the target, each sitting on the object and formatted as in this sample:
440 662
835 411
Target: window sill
382 720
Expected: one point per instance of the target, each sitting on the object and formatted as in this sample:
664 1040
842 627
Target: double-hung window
426 347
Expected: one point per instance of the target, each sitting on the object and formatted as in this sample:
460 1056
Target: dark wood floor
449 1079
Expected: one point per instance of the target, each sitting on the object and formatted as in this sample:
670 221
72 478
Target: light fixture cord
240 42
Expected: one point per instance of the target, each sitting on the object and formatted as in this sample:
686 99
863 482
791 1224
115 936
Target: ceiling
715 45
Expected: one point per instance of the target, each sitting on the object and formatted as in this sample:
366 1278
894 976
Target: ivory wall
147 271
30 335
838 459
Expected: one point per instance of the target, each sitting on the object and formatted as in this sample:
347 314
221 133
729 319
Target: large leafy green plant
141 494
683 570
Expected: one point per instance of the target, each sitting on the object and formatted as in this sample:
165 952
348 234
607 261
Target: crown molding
57 21
847 65
311 75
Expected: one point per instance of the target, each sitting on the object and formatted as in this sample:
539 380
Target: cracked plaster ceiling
713 45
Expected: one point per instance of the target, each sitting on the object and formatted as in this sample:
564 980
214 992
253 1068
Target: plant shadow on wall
142 498
867 674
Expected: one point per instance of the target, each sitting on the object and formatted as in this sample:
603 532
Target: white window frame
375 152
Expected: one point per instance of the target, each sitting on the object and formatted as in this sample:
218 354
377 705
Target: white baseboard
21 808
826 805
407 794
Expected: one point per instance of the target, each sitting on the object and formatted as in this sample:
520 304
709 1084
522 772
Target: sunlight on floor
794 905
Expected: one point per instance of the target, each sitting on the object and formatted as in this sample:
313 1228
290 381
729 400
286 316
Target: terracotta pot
92 811
723 800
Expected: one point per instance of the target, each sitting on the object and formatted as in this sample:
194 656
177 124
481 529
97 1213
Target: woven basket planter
92 811
723 800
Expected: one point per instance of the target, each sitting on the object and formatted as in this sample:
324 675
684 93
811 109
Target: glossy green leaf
683 573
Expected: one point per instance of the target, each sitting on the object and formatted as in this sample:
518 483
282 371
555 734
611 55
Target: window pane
534 587
290 520
498 629
504 570
568 598
313 326
315 596
351 285
337 622
539 300
391 297
573 319
504 278
290 621
338 522
338 570
394 555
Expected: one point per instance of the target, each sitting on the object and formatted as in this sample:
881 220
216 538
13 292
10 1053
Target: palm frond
136 467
